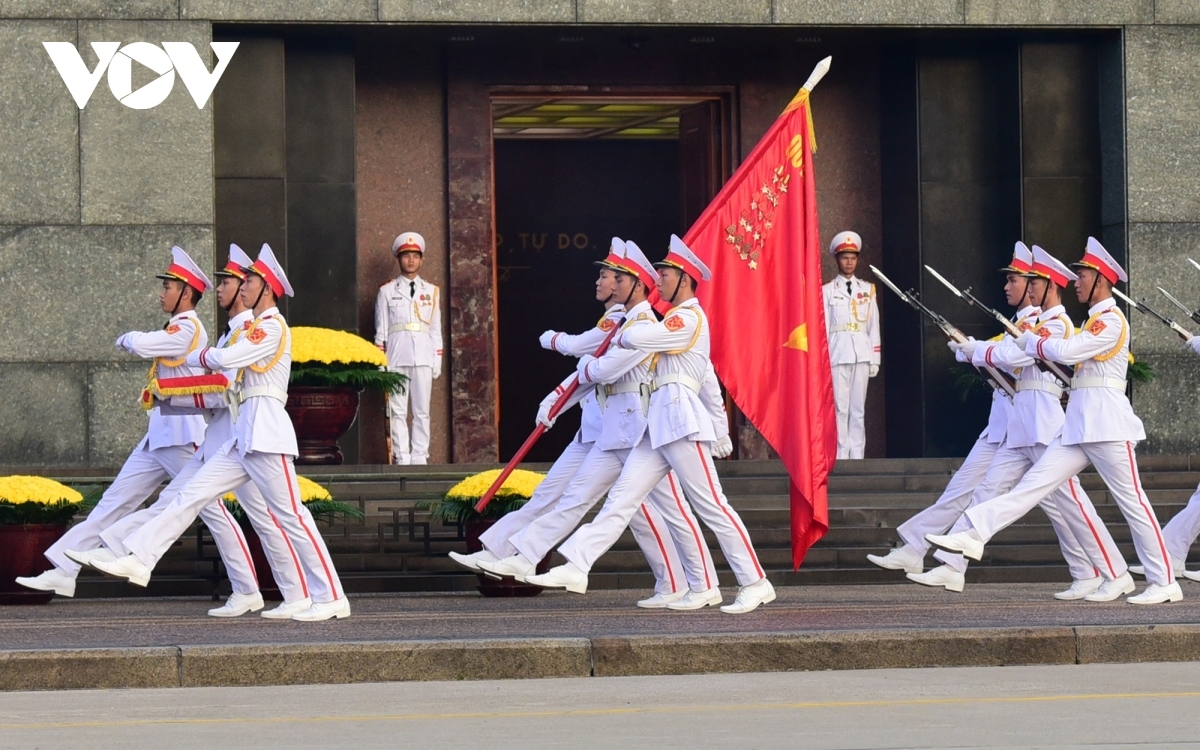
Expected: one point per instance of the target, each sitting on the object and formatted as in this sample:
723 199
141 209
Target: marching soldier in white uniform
1100 428
408 327
261 450
285 567
623 379
678 437
171 438
852 325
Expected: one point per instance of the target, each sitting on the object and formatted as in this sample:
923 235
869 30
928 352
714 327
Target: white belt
676 377
417 327
1114 383
1054 389
262 391
604 391
852 327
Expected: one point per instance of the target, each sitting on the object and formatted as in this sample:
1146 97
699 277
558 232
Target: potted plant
457 507
34 513
319 502
329 368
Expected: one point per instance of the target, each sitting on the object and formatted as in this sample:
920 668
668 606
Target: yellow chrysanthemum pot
34 513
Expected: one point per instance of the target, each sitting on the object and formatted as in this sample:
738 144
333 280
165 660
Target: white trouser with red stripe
670 540
1117 466
645 467
1181 531
226 533
275 477
956 498
1085 543
418 390
139 477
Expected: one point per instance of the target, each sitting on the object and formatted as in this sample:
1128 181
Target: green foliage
322 510
340 375
968 383
1140 371
60 512
459 510
91 496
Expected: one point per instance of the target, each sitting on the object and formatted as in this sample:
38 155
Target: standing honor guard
171 438
261 450
852 325
679 436
408 327
1100 428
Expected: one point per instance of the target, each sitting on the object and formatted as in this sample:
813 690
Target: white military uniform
408 326
170 439
243 578
1181 531
261 449
852 327
1099 428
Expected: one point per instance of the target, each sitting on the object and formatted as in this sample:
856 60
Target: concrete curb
522 658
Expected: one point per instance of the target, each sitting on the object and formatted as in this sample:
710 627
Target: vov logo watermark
164 60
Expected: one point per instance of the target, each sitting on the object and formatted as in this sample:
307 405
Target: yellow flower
19 489
520 483
328 346
309 491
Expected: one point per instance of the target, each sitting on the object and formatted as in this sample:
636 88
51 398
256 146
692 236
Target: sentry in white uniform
679 433
170 439
1100 428
408 327
262 450
852 327
1181 531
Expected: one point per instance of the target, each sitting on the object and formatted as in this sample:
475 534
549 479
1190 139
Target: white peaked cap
681 256
637 262
1047 266
845 242
269 268
1022 260
408 242
1099 259
616 251
239 256
184 269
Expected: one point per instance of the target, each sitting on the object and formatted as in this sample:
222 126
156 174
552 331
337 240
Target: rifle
1145 309
911 298
1194 315
541 429
1053 368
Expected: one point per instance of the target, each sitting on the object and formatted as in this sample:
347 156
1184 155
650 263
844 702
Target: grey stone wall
91 202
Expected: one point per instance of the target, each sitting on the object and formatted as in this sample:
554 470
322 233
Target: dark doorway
558 204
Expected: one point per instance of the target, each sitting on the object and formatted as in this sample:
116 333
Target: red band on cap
233 269
261 269
1101 266
682 263
188 277
846 246
1020 265
409 247
1052 273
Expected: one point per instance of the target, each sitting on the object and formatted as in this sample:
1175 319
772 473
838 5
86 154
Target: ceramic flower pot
321 415
490 586
22 549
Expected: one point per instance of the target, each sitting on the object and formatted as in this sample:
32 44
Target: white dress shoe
238 604
1158 594
660 601
1191 575
901 558
56 580
128 567
943 575
85 557
1110 590
1079 589
286 610
567 576
511 567
749 597
338 608
1138 570
697 600
967 542
471 561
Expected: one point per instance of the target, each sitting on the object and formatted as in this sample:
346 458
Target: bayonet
912 299
1145 309
1194 263
1193 314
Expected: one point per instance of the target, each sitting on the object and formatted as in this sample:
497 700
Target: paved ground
1110 706
94 623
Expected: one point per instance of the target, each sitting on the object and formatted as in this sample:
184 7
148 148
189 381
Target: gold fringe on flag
801 100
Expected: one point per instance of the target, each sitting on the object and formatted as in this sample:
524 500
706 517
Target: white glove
873 371
437 371
544 340
1194 344
723 448
968 347
120 343
543 415
584 361
1023 340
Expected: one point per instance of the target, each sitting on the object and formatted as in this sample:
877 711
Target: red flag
764 304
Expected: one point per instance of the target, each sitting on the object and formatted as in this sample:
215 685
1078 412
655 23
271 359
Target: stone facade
91 200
